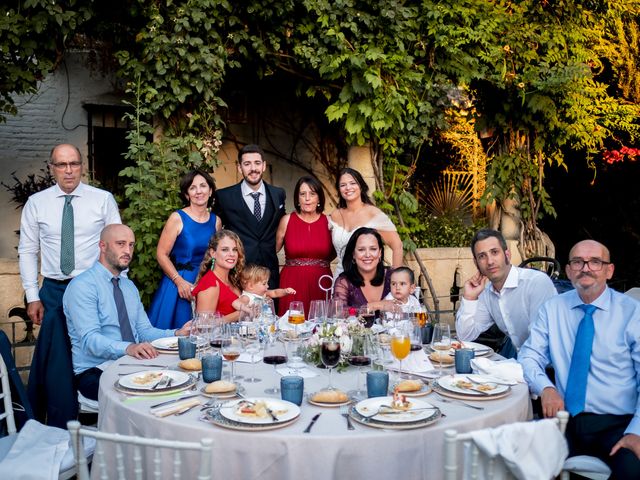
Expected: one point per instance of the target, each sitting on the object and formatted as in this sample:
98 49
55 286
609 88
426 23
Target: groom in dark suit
253 210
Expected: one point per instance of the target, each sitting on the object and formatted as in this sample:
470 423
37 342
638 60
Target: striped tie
67 256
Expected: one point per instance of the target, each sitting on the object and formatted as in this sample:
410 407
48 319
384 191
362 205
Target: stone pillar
359 158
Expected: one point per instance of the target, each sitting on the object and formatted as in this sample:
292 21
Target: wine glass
330 355
441 342
231 348
362 353
400 346
275 355
335 310
253 347
216 332
198 332
318 311
367 315
296 313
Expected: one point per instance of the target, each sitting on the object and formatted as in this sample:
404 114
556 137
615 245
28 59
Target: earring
213 263
318 205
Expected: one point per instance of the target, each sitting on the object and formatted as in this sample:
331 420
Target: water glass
335 310
211 368
291 388
186 348
377 384
463 358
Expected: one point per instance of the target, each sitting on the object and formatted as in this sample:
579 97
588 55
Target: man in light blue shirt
103 323
605 409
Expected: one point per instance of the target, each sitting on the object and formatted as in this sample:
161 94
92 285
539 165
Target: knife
312 422
168 402
141 365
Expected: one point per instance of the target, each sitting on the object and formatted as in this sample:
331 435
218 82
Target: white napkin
36 453
416 362
530 450
175 407
303 372
246 358
507 371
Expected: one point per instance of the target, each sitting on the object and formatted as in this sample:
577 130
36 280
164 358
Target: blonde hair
207 261
254 274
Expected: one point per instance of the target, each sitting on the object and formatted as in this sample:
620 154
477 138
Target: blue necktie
123 316
67 257
257 210
580 362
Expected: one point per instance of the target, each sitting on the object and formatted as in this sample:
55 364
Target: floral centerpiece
349 333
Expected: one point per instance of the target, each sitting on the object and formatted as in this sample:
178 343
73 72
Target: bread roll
410 385
330 396
221 386
441 357
191 364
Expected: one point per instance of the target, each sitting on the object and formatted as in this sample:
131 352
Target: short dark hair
349 265
485 233
407 270
314 184
364 188
251 148
187 180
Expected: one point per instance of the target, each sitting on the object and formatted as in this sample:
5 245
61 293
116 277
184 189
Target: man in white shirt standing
62 226
500 293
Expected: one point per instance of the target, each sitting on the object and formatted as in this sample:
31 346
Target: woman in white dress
355 210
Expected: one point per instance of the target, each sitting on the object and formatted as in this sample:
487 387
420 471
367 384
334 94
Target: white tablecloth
329 451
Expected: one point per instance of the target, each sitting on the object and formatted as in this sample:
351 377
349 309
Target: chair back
134 445
477 464
5 395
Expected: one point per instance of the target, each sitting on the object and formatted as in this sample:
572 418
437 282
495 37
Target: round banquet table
329 451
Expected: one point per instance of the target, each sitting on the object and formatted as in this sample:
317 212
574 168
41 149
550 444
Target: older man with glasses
61 227
591 336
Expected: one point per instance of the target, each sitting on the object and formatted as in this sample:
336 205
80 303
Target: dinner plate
479 349
370 405
285 411
460 385
424 390
214 417
327 404
147 379
170 344
231 394
469 398
158 392
369 422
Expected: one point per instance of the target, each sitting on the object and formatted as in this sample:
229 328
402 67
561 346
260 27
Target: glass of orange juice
400 347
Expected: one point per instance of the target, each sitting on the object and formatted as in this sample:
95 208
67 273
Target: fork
164 380
344 411
488 381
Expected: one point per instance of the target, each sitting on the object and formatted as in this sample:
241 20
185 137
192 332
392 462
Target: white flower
345 343
338 331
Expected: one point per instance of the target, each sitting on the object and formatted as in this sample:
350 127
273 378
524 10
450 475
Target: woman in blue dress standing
182 245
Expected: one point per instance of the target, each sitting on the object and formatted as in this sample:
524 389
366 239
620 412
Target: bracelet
174 276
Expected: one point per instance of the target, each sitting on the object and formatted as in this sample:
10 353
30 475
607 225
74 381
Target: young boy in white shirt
403 285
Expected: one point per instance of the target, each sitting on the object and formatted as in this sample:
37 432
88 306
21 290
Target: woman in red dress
307 245
218 283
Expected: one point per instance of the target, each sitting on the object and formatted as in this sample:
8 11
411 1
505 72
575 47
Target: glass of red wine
362 354
330 355
366 316
275 355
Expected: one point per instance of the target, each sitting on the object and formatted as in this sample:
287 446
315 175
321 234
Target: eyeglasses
64 165
595 264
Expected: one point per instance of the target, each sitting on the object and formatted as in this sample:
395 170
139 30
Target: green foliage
21 190
153 191
445 231
33 34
